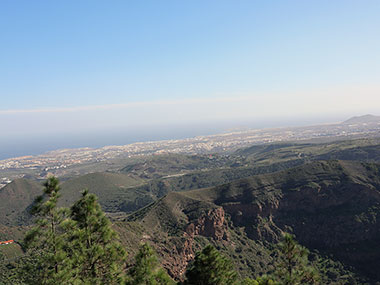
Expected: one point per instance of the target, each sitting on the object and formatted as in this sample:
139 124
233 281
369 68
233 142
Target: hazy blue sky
81 66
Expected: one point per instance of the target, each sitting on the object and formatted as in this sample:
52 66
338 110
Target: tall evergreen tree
293 265
211 268
147 270
99 258
46 242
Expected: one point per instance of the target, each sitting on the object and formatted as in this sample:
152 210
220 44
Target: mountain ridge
264 206
362 119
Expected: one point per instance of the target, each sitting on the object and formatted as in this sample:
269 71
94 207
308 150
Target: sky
86 73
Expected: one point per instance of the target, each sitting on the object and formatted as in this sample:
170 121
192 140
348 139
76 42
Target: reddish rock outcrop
212 224
177 258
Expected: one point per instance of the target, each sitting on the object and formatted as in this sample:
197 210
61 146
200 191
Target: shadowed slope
329 205
15 198
111 188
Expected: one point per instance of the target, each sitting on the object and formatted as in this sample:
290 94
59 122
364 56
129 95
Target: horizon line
126 105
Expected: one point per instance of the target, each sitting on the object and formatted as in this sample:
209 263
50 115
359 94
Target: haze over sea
17 146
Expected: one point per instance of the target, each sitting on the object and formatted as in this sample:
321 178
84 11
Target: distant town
57 162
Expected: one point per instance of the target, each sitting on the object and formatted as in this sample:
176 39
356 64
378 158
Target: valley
326 193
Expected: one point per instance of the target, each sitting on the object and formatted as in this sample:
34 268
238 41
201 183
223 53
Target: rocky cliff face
329 206
338 215
176 258
211 224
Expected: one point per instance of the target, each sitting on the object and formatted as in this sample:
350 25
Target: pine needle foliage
46 242
293 265
98 256
147 269
211 268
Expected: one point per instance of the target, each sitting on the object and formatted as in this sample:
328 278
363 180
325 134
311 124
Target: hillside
145 180
179 226
240 203
157 188
362 120
10 251
297 153
111 188
244 216
255 160
15 198
157 166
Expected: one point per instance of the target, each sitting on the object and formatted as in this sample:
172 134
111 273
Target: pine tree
293 266
48 261
95 249
147 269
211 268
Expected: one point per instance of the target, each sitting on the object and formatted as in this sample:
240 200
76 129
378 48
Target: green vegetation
365 150
258 209
15 199
146 269
210 268
93 248
180 204
76 246
293 266
111 188
142 181
158 166
46 242
10 251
